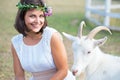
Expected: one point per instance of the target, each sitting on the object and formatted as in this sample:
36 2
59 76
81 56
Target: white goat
88 57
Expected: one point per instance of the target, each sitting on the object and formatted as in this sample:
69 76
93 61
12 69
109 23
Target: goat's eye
89 52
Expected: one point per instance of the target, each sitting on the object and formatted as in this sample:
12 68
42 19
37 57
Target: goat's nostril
74 72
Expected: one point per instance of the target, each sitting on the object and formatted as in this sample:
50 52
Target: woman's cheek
31 20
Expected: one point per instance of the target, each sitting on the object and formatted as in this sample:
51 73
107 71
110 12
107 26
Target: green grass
66 17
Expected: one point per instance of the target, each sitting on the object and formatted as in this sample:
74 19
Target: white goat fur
88 58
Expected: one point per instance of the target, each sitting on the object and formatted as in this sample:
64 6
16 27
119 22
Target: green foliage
29 6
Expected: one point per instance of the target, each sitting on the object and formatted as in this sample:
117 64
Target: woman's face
34 20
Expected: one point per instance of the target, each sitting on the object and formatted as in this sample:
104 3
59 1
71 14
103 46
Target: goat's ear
100 42
68 36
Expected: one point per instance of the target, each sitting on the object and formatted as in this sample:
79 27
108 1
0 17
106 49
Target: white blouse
38 57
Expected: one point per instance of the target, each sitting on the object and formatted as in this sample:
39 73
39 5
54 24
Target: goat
88 57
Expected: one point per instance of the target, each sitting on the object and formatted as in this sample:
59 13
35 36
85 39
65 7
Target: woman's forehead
35 11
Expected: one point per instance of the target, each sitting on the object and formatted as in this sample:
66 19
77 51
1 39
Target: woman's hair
20 25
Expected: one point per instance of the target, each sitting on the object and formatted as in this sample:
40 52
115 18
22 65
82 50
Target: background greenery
67 14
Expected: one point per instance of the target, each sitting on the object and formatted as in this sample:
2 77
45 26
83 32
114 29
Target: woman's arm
19 72
59 56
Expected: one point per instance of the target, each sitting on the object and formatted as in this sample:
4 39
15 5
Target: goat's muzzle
74 72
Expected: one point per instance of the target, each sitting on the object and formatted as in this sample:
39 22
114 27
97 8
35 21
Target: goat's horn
96 30
80 29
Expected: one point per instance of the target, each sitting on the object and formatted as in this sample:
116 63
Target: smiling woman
34 20
38 48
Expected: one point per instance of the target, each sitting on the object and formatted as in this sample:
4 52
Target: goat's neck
95 62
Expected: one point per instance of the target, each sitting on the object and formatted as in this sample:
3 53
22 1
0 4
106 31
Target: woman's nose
38 20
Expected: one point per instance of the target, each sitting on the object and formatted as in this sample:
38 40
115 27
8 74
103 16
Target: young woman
38 48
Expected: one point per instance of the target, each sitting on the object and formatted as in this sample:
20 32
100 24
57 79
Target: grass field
66 17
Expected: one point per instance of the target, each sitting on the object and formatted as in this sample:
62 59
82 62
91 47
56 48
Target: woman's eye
42 16
32 16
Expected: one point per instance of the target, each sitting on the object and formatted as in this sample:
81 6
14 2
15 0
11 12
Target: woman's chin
35 31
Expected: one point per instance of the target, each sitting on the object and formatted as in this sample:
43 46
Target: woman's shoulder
17 37
50 29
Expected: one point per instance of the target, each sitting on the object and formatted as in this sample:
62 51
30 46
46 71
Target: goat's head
84 47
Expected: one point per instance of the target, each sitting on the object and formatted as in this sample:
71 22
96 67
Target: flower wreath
46 9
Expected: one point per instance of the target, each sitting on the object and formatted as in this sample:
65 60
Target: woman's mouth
35 25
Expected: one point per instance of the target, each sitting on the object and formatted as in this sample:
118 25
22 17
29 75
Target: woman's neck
32 39
34 36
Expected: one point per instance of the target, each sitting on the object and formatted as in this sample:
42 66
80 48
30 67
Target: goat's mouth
74 72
